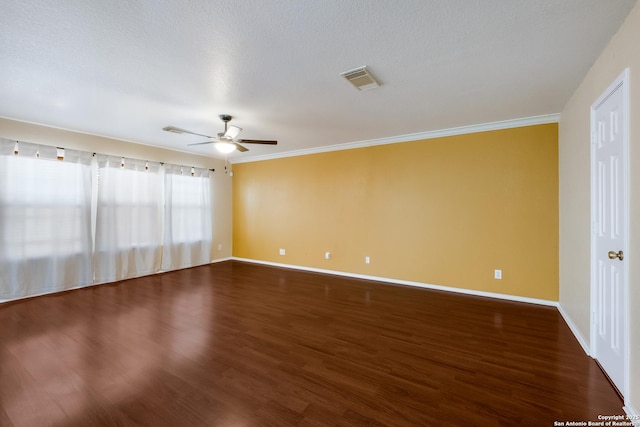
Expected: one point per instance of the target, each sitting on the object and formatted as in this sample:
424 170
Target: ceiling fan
225 142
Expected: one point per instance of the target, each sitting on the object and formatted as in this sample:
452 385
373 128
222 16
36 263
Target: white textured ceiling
126 68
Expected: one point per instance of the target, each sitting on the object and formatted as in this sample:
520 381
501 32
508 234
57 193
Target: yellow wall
221 184
445 211
574 164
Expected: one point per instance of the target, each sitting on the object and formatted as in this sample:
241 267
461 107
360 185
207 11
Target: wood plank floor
236 344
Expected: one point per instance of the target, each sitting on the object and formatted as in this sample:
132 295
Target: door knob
614 255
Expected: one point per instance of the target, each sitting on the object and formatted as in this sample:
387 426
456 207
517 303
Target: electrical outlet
282 252
327 255
497 274
367 260
219 246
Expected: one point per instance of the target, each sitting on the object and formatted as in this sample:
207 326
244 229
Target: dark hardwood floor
236 344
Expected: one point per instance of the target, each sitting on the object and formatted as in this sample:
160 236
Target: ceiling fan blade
241 148
232 132
175 129
202 143
257 141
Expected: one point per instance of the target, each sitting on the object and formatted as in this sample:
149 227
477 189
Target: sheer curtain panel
187 220
45 219
128 237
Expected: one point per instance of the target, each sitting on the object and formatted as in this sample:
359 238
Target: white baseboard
213 261
576 332
632 413
406 283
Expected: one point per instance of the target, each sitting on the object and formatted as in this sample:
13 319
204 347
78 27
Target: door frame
622 81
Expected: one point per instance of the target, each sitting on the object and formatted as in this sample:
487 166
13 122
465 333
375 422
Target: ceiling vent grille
361 78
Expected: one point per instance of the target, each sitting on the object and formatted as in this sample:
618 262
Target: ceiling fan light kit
224 147
225 141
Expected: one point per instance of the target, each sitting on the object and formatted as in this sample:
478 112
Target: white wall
574 164
221 188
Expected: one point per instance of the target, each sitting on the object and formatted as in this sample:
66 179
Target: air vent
361 78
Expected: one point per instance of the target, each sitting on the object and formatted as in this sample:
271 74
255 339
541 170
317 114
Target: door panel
610 234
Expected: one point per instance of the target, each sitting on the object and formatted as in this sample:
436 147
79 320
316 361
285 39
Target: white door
609 173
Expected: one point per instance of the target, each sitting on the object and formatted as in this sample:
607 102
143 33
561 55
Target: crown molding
461 130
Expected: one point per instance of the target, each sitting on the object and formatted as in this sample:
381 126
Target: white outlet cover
497 274
282 252
327 255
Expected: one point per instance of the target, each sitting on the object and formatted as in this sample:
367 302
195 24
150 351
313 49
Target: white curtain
68 221
187 222
45 219
128 237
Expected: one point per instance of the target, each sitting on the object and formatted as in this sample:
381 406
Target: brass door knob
614 255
